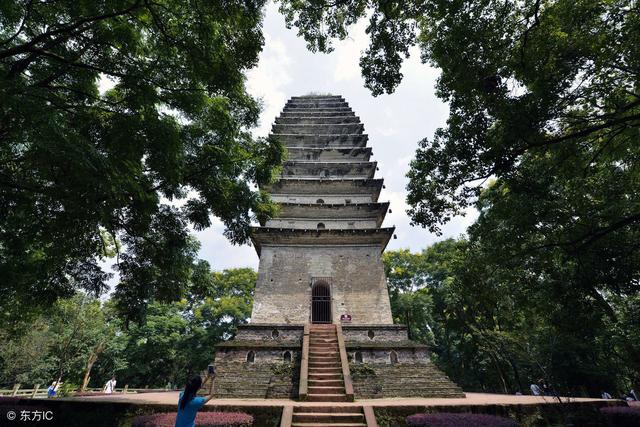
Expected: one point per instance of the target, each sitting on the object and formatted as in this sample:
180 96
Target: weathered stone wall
334 199
358 284
271 334
269 376
382 356
374 333
379 378
330 224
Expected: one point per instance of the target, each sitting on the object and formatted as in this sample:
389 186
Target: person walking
189 403
535 390
110 386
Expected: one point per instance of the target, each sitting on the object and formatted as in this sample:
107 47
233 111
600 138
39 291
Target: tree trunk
408 321
93 358
496 362
516 374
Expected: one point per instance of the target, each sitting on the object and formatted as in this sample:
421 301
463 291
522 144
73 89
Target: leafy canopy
109 111
79 337
496 326
544 100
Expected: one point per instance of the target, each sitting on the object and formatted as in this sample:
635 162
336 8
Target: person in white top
535 390
110 386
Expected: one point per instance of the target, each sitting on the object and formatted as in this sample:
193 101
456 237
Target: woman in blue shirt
189 403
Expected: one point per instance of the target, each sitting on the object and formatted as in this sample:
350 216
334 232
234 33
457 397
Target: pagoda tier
292 237
321 212
327 184
295 190
322 141
347 154
326 170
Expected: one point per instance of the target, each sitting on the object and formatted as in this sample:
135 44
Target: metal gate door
321 303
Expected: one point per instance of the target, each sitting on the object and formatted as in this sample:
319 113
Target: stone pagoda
321 327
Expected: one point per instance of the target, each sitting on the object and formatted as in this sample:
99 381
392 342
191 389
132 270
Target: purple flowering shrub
621 416
203 419
459 420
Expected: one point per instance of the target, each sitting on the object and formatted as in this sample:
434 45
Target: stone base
385 363
263 361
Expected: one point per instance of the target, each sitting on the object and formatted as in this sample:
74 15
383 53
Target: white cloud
347 53
268 79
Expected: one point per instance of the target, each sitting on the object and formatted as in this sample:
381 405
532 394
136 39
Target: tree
177 339
79 335
496 327
80 160
543 98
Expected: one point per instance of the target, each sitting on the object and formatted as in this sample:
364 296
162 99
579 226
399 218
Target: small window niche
393 357
286 356
320 201
321 226
251 357
371 334
275 334
358 356
347 201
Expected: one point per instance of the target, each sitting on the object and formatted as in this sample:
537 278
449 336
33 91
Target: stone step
324 351
323 364
327 409
323 389
324 355
326 376
316 113
318 370
328 417
293 105
324 348
317 120
335 424
337 382
322 141
319 129
338 397
313 360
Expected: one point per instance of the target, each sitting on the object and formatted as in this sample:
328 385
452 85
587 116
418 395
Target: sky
395 123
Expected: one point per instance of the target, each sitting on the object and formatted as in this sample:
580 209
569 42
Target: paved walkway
171 398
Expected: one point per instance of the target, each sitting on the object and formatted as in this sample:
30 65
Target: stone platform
389 412
264 361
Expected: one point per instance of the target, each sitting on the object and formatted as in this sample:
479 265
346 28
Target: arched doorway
321 303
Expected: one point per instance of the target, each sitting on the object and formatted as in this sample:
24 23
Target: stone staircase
329 416
326 384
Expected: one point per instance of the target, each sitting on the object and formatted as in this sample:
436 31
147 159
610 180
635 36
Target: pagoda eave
266 236
297 186
334 211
